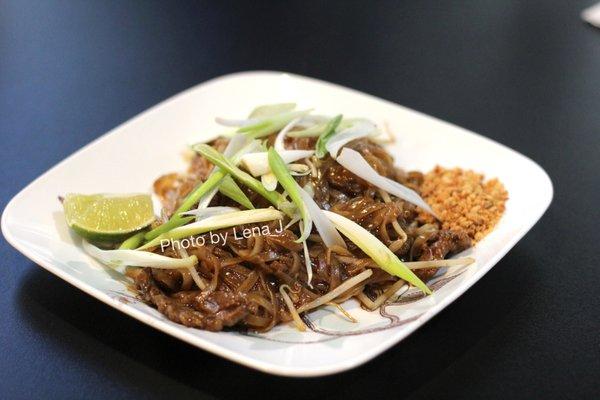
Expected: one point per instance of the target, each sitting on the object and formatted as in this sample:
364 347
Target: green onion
354 162
356 130
220 221
133 242
261 124
378 251
174 222
230 189
209 184
286 180
237 147
258 163
268 110
204 189
119 259
314 131
279 143
246 179
320 149
201 213
325 227
269 181
271 124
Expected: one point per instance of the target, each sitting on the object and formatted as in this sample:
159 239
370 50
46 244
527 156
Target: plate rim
240 357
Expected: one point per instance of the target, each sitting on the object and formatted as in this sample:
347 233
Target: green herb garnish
286 180
320 149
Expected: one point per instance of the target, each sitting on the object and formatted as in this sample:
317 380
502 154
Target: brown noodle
244 277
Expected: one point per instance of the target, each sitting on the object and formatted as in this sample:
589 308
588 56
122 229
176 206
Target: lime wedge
106 217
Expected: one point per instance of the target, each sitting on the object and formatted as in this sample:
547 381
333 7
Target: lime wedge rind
108 217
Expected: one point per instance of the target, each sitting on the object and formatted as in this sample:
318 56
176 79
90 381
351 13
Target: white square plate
131 156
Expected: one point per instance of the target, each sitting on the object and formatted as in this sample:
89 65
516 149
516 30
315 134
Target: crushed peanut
463 200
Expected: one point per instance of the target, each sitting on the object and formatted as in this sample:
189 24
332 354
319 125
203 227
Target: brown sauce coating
243 276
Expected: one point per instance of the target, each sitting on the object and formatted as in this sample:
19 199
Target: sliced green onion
378 251
271 124
236 148
293 221
210 211
119 259
319 128
212 182
291 187
205 200
280 138
215 222
314 131
196 195
174 222
253 125
203 192
230 189
246 179
320 149
299 169
356 130
258 163
327 231
268 110
232 122
133 242
260 116
269 181
354 162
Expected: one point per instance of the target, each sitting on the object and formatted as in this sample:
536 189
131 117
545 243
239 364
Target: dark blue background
525 73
